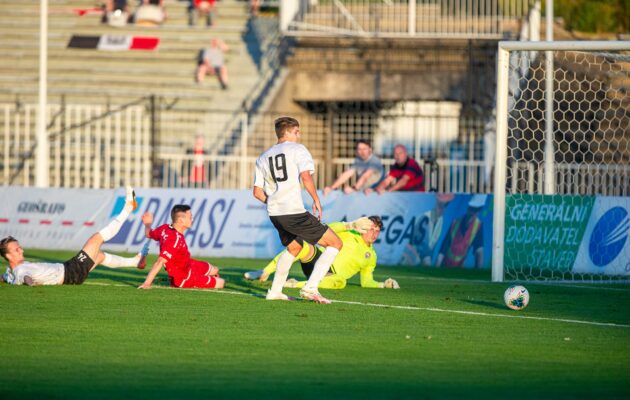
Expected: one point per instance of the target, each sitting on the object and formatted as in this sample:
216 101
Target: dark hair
179 208
4 244
378 222
363 141
283 123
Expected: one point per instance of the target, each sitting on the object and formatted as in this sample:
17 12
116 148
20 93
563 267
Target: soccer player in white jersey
277 184
75 270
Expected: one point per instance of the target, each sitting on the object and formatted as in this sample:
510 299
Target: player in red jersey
183 271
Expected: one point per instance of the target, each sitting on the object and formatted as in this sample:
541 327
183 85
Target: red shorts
196 277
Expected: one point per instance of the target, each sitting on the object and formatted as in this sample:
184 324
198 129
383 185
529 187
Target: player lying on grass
75 270
183 271
356 256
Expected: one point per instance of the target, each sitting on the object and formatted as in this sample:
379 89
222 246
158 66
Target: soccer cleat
143 255
291 283
131 197
251 275
314 296
278 296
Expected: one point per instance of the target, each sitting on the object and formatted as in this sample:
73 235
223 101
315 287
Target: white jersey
278 173
40 273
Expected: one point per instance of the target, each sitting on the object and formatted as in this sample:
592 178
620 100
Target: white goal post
562 167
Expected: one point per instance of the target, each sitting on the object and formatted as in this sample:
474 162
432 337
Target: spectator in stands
254 7
201 8
151 13
197 172
116 13
367 167
405 175
211 61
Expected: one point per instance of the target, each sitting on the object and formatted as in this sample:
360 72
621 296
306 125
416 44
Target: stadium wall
230 223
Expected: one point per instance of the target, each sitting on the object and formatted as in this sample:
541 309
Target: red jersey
413 171
173 249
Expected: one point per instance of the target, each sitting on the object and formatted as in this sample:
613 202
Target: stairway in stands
86 76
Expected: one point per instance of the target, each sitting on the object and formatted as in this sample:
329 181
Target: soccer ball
516 297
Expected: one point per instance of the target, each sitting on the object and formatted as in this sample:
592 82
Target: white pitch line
413 308
551 283
573 321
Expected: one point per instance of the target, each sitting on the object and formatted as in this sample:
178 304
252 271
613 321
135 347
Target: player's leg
305 254
284 225
93 244
200 276
308 262
113 261
333 245
329 282
282 271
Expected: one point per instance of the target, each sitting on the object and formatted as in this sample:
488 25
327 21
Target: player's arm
259 194
360 225
29 281
309 185
153 273
259 184
367 279
367 273
147 220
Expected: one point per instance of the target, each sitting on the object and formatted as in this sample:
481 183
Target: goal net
562 171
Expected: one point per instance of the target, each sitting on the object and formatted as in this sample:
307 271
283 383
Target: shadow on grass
488 304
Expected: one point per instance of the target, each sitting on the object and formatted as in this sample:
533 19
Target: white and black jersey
278 174
71 272
40 273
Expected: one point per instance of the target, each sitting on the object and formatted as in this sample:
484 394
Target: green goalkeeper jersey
355 256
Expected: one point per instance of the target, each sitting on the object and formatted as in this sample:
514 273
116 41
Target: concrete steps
87 76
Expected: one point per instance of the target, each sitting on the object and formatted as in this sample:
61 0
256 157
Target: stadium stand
89 76
161 80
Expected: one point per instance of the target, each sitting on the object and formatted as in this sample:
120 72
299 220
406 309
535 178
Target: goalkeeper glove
360 225
391 284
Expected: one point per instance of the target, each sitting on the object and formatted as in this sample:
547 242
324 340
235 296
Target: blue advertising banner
451 230
419 228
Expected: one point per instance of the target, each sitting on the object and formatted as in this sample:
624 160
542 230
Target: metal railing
403 18
92 146
89 146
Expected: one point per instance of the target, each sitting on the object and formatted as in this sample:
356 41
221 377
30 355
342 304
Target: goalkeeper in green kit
356 256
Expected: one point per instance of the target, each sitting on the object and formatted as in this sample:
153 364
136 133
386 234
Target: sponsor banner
545 231
226 223
422 228
605 248
114 42
418 227
579 233
53 218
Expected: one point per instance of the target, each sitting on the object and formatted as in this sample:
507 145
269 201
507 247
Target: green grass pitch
445 334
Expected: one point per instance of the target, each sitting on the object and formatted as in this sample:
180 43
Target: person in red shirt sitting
405 174
183 271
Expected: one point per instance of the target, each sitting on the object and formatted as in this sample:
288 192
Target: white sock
114 226
282 272
321 268
114 261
